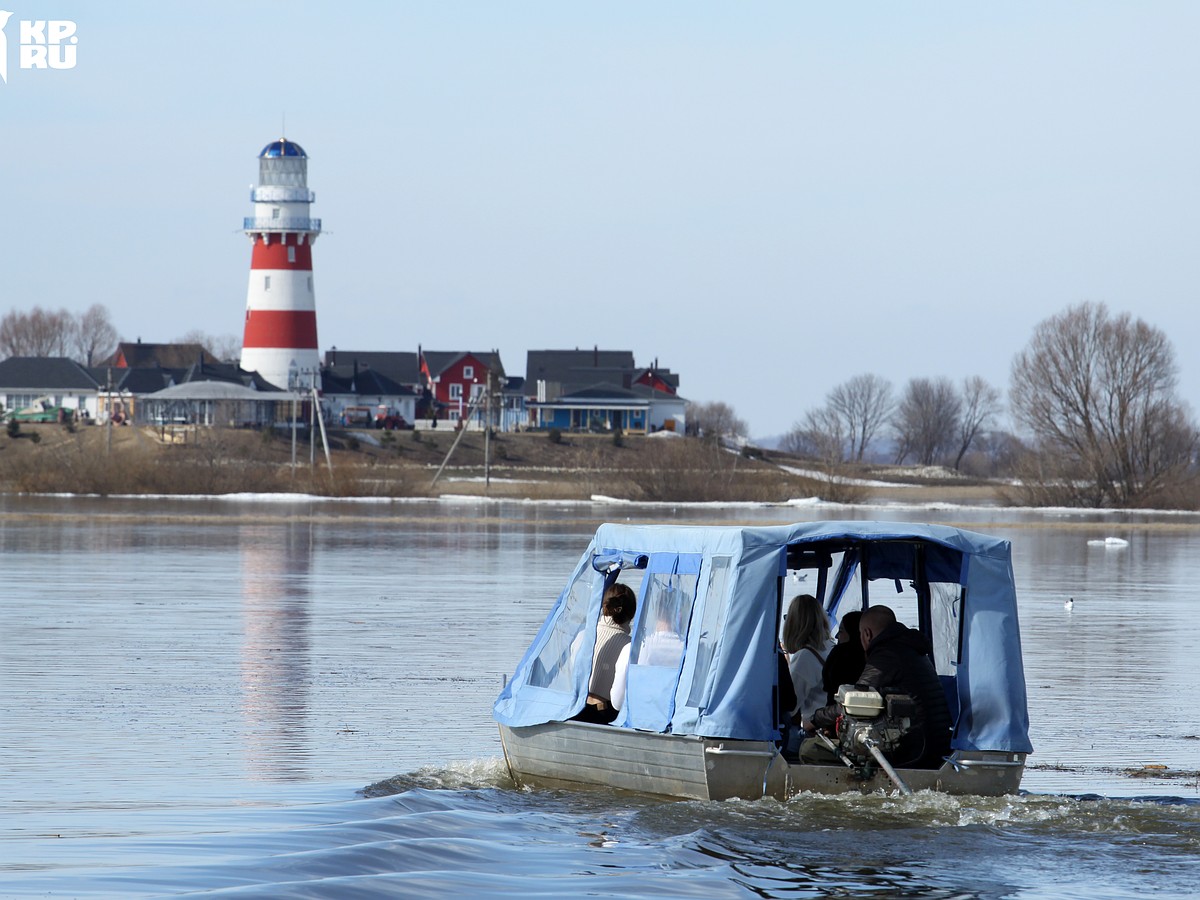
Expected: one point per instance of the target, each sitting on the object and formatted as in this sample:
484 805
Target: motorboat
705 722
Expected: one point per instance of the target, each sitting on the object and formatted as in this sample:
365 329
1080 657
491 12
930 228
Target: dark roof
169 356
226 372
339 380
400 367
438 361
135 381
566 371
51 373
603 392
148 379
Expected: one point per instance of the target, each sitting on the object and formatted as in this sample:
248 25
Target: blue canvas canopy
704 657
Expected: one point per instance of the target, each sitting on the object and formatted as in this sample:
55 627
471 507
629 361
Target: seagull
1069 604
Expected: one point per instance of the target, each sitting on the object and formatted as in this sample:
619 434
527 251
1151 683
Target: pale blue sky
770 198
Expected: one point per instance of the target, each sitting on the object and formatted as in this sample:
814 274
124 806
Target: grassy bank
131 460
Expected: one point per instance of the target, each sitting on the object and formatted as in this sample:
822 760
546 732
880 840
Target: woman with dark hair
845 662
612 636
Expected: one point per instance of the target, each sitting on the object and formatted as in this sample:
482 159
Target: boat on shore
706 721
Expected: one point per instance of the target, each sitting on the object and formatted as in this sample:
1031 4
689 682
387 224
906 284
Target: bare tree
979 406
225 347
40 332
1098 395
819 436
95 336
926 420
715 420
863 404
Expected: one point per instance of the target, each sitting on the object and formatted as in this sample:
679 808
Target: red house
456 382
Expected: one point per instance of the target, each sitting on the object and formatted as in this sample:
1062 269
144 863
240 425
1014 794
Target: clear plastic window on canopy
555 665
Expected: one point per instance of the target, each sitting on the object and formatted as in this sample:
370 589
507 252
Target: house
600 390
24 379
457 382
389 384
344 395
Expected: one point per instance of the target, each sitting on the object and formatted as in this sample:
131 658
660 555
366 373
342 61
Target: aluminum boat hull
579 754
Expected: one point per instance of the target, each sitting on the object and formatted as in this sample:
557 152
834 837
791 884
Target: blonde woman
806 642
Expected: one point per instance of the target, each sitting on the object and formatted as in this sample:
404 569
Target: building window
456 392
266 282
291 254
275 212
468 371
476 391
310 284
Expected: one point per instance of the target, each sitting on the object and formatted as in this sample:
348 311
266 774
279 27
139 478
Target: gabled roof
337 380
401 367
577 368
134 381
228 373
53 373
150 379
170 356
438 361
650 374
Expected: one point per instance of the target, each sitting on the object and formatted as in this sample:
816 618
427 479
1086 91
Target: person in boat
806 643
897 660
662 647
612 637
845 661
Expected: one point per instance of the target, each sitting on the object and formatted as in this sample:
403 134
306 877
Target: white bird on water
1069 604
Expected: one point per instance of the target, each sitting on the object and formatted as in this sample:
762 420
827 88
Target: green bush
554 435
14 428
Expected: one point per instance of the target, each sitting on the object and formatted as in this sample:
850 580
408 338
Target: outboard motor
872 724
869 718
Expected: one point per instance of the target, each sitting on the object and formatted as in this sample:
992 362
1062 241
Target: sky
768 198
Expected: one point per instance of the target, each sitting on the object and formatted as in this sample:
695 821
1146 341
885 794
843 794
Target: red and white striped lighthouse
280 339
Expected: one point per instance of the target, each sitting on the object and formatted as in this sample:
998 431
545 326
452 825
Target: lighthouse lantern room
280 337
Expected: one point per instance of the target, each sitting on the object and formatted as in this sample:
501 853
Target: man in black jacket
898 660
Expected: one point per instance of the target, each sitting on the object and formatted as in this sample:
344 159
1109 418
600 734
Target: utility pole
487 433
108 436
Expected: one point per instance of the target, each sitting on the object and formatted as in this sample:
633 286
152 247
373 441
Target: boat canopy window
919 580
561 652
659 639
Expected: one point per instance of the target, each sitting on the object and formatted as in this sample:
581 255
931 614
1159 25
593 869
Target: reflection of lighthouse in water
280 337
275 650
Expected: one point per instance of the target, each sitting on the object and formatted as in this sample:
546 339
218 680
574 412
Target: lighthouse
280 337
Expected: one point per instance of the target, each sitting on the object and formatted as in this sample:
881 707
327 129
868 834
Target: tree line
88 337
1092 398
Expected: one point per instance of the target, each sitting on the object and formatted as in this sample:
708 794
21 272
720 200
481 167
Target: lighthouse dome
282 147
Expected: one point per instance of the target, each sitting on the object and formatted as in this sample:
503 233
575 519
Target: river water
292 698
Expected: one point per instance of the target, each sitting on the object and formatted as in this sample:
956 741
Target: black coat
843 665
898 662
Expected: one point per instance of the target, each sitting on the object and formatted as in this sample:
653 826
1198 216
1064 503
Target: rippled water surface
293 699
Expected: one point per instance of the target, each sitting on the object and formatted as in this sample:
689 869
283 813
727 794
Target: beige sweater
610 639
